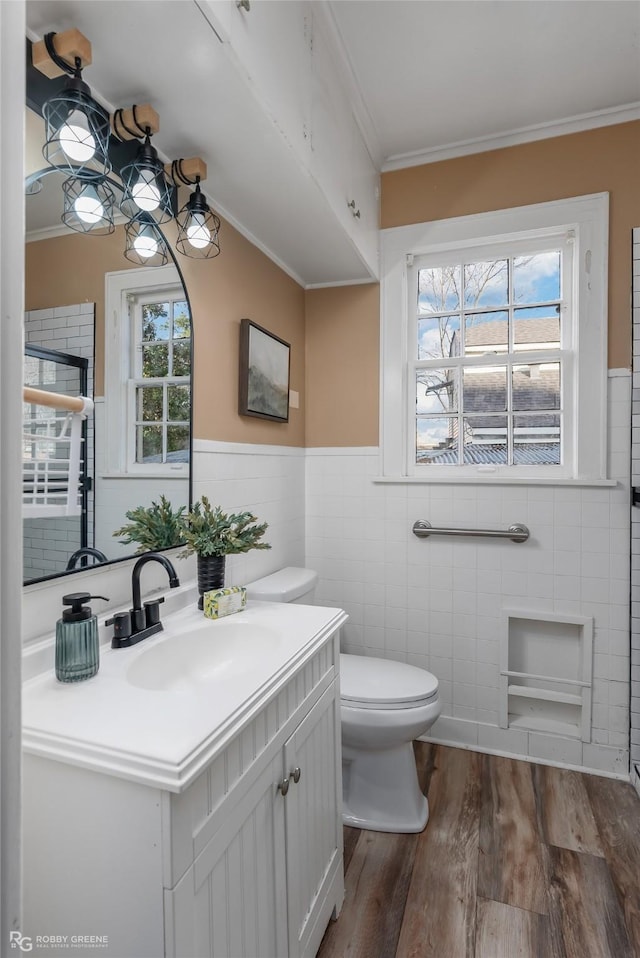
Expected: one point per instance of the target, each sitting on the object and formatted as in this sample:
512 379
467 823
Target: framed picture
264 373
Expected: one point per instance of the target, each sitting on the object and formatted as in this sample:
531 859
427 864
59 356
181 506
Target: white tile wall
266 480
437 602
48 543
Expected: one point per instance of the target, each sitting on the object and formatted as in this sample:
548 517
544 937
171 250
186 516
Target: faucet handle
121 623
152 611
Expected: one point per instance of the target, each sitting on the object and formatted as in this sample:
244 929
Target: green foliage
212 532
154 527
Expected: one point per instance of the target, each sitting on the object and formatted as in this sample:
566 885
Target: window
147 373
160 389
494 345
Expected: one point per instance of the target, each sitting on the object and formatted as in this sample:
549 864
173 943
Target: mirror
97 325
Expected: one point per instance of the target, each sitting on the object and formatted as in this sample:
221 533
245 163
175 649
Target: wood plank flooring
516 860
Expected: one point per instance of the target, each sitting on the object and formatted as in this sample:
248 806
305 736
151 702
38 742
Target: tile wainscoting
438 603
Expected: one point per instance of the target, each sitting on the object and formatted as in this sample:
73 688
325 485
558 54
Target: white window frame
581 220
120 370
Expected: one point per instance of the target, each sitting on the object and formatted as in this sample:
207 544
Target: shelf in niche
545 725
549 695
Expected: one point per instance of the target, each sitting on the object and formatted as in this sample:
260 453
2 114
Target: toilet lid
367 682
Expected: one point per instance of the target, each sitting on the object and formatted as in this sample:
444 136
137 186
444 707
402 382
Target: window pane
182 358
436 441
155 321
486 284
485 440
536 279
177 444
484 389
181 321
439 289
537 327
438 337
155 361
178 403
149 444
536 440
486 332
436 391
536 386
149 403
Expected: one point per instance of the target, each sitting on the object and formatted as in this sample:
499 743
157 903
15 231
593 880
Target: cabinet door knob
352 207
284 786
296 774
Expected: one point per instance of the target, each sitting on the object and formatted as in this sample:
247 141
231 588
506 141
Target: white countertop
165 737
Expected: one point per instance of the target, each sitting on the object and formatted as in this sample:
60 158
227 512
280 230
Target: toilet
384 706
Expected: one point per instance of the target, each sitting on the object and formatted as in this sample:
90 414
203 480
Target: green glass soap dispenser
77 645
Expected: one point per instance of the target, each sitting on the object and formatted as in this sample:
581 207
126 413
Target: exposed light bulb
145 244
145 192
88 206
198 233
76 139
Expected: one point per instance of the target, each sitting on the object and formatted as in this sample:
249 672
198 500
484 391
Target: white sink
207 654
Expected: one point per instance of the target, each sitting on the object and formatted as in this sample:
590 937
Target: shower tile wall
438 602
635 514
67 329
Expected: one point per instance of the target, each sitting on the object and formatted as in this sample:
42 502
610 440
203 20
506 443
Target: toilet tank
285 585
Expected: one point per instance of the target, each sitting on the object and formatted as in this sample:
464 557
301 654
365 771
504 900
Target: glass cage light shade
145 244
88 206
77 132
146 188
198 228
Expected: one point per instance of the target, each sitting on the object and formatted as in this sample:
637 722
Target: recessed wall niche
546 672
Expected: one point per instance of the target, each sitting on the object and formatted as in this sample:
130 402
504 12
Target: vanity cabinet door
232 900
313 825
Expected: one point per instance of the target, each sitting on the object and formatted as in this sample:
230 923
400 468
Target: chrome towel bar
516 532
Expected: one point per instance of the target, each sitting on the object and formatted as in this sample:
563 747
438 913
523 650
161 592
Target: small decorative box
221 602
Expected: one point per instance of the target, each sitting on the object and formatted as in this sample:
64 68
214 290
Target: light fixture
198 228
145 186
77 127
88 206
145 244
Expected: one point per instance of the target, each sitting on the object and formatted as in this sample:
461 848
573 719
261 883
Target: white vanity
186 801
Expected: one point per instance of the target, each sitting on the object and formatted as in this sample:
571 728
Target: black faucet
81 553
143 619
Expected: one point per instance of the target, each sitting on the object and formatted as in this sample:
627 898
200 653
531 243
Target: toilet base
381 792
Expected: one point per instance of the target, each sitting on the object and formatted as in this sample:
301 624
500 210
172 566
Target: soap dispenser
77 646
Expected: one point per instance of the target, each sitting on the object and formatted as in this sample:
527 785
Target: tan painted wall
342 359
603 160
240 282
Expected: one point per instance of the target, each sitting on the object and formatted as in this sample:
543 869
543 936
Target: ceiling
440 78
428 79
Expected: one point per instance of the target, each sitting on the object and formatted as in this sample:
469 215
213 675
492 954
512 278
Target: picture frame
264 373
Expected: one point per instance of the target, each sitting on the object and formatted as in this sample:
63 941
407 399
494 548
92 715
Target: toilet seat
372 683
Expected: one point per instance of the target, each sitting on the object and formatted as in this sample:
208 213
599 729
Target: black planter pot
210 575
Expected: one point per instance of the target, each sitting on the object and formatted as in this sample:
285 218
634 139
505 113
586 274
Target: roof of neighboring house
530 454
525 331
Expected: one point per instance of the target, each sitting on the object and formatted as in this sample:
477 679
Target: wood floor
516 860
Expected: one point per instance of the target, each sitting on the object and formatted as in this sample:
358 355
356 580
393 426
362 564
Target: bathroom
452 606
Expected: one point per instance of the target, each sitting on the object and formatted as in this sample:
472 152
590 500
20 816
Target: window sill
484 480
156 474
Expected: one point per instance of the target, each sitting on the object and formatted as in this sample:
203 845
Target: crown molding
526 134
